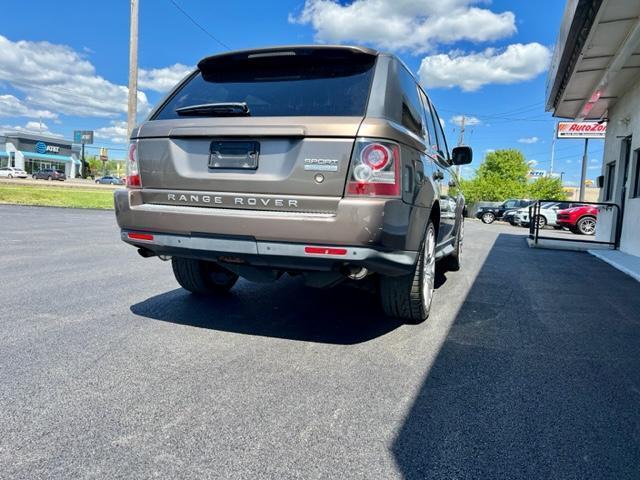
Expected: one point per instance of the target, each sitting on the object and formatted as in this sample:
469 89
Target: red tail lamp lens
376 156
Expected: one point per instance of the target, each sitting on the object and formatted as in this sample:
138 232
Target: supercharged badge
321 164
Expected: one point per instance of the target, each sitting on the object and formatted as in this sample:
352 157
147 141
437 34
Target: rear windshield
296 87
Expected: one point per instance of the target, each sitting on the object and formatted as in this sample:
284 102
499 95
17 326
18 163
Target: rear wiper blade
220 109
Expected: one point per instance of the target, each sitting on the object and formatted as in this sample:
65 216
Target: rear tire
541 222
586 226
202 277
409 296
488 217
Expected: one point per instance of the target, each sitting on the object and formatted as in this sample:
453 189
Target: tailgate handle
238 131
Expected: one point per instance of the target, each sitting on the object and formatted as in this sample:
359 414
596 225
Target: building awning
596 60
4 154
51 157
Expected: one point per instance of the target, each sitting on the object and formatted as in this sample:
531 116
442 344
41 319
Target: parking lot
529 367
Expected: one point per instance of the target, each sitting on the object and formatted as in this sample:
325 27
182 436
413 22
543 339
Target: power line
199 26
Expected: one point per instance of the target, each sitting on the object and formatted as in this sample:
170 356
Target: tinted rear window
294 86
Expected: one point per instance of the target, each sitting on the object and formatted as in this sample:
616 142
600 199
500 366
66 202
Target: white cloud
489 150
517 63
415 25
11 106
116 132
57 78
162 79
31 127
528 140
469 121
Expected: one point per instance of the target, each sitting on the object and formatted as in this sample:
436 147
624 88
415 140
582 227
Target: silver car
12 172
327 162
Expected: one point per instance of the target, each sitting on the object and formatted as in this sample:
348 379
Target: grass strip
56 197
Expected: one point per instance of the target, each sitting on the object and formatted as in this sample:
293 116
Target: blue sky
78 80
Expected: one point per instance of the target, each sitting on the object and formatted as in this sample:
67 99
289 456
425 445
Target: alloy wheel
487 217
587 226
429 268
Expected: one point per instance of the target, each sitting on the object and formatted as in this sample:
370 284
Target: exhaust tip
144 253
354 272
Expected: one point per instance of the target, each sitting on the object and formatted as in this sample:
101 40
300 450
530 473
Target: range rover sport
328 162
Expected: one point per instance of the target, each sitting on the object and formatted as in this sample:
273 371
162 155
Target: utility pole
461 137
583 176
553 149
561 176
133 69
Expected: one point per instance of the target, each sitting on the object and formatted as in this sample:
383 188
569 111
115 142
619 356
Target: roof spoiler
310 52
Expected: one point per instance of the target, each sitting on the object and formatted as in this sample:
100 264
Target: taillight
375 168
133 170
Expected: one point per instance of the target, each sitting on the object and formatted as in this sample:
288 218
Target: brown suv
328 162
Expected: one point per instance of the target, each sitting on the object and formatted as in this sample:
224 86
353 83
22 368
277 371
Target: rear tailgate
175 154
305 107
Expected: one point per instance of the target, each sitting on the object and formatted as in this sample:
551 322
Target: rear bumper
277 255
377 223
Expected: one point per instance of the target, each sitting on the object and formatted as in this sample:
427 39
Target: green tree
547 188
502 175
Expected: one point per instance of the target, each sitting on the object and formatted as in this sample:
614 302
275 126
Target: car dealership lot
527 368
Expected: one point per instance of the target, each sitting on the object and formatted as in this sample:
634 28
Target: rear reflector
140 236
325 251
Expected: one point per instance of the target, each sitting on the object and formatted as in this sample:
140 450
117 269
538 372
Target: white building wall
624 120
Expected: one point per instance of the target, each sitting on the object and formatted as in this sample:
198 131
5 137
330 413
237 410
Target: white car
11 172
548 215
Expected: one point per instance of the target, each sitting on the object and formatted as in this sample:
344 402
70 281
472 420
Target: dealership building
595 75
34 152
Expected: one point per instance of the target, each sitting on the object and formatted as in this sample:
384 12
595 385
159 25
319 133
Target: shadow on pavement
539 376
284 309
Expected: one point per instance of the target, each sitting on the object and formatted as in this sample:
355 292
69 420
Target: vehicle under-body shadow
286 309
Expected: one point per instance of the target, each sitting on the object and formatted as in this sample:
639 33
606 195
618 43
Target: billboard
582 130
83 136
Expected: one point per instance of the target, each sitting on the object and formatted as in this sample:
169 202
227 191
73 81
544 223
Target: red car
579 219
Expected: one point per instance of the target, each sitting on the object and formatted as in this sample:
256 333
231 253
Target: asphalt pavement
529 367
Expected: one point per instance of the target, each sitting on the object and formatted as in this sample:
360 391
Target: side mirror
461 155
600 181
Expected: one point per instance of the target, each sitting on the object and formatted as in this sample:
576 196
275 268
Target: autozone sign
582 129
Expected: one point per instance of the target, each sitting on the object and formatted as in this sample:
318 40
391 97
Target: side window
411 109
610 177
442 141
510 204
439 140
430 133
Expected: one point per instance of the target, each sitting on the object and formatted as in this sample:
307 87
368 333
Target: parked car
109 180
12 172
546 217
491 214
328 162
580 219
510 217
50 174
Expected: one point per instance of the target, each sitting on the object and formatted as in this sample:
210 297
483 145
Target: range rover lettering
328 162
